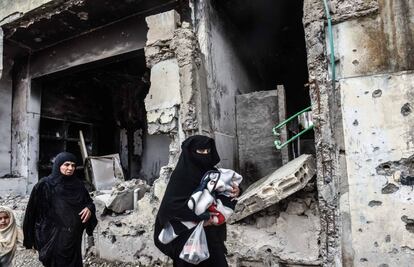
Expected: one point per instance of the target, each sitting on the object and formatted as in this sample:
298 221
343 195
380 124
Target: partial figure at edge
10 236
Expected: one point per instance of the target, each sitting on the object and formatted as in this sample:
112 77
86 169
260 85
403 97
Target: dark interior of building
101 99
269 38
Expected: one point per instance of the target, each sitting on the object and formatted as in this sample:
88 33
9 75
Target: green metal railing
278 143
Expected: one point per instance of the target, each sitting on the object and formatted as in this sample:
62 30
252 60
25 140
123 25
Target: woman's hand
211 220
235 192
85 215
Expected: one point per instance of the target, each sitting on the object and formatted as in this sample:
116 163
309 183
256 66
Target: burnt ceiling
39 29
85 94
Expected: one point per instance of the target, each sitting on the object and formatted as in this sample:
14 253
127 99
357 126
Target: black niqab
187 175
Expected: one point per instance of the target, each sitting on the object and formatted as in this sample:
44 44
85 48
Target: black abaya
184 180
52 224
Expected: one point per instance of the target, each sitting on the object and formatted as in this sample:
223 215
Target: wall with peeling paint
376 96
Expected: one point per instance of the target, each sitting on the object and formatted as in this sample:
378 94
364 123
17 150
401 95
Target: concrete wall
226 78
376 96
378 130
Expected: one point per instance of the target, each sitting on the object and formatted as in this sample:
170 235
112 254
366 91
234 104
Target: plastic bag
167 234
195 250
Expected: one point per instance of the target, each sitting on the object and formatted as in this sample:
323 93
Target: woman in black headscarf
198 156
58 212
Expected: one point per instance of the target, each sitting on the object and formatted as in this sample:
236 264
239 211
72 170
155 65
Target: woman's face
4 220
67 168
203 151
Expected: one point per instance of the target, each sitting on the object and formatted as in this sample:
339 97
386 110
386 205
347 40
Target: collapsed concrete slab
121 198
269 190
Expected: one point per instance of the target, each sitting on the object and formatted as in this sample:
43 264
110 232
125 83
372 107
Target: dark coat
52 224
184 180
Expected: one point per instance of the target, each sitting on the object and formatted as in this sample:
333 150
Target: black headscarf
187 175
69 188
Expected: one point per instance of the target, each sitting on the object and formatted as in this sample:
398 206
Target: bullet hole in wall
389 189
409 223
374 203
377 93
406 109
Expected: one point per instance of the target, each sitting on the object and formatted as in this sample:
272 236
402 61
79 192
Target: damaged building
308 99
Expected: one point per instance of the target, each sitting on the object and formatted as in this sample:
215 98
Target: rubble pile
283 231
286 233
122 196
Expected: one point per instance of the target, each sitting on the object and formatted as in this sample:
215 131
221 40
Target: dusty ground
28 258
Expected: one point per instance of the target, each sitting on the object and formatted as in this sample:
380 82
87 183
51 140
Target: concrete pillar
25 127
5 121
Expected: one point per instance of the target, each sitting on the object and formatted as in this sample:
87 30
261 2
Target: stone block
257 114
271 189
161 26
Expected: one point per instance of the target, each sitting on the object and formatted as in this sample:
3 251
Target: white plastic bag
167 234
195 250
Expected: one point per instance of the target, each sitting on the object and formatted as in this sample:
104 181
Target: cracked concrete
278 185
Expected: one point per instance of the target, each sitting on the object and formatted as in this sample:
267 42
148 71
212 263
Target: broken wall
174 111
376 83
115 39
372 100
226 78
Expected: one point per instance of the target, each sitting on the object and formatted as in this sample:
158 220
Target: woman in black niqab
185 178
53 223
